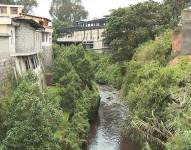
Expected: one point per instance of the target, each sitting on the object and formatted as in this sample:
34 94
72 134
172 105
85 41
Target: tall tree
131 26
32 118
28 4
67 12
6 1
176 6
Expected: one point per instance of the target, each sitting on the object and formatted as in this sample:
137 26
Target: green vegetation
155 50
131 26
175 7
30 118
79 97
157 94
54 118
65 13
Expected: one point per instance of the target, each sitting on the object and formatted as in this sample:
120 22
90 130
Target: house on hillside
89 33
21 42
47 51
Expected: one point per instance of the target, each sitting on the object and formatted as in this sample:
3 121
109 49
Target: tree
6 1
28 4
32 119
74 73
131 26
175 7
67 12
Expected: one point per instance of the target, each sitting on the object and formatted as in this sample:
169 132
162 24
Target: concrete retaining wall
5 68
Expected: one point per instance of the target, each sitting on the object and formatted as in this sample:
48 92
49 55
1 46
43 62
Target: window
98 34
3 10
33 63
36 60
14 10
43 37
27 64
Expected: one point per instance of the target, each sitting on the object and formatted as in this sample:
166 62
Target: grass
53 90
58 134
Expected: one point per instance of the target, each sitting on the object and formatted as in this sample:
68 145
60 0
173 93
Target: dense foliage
66 12
175 8
56 118
30 119
156 94
149 96
74 75
128 27
155 50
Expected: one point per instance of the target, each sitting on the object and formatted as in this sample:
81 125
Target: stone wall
5 68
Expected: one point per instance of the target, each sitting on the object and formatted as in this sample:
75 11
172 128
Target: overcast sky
96 8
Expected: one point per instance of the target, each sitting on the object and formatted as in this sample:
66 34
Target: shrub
155 50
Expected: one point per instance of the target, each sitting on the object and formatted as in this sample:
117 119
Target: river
105 131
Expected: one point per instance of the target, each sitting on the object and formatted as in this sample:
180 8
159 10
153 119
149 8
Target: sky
96 8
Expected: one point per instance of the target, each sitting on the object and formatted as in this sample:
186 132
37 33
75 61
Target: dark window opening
3 10
43 37
14 10
27 64
34 65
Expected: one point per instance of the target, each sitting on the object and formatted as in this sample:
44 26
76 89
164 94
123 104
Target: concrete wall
5 68
47 58
20 65
28 40
4 48
87 35
186 38
3 28
47 53
92 39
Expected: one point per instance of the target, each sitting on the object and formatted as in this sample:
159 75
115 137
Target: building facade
47 52
21 41
89 33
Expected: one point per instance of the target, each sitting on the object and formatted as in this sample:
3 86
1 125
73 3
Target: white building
89 33
21 41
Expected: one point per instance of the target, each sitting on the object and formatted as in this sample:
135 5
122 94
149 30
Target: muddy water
105 132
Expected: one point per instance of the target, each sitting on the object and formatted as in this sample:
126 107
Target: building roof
36 17
30 21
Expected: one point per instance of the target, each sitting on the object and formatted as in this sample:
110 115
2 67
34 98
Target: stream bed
105 131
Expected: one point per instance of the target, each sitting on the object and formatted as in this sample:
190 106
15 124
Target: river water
105 131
